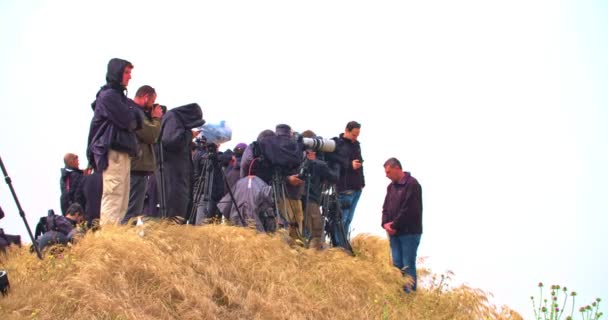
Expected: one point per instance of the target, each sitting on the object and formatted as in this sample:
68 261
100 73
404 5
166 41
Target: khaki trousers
116 184
292 210
315 224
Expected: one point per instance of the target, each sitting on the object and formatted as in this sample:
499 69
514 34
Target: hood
191 115
116 67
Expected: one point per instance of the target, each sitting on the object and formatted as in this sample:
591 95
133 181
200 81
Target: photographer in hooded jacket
112 140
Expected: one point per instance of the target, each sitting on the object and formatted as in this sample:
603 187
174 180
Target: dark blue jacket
70 184
115 120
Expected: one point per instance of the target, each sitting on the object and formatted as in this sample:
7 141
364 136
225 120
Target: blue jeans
348 202
51 238
404 249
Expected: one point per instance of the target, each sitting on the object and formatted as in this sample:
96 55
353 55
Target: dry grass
222 272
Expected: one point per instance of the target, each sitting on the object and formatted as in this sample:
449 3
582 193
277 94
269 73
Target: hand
88 171
389 228
157 111
294 180
357 164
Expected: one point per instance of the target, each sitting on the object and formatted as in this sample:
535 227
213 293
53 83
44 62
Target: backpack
53 222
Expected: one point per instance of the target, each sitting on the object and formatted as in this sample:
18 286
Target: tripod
282 205
332 213
204 207
21 213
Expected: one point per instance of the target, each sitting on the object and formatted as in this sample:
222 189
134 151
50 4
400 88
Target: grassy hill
222 272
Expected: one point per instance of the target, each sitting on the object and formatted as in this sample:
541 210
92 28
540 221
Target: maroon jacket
403 206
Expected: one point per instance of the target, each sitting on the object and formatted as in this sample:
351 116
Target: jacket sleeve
360 157
246 161
385 216
118 111
149 132
331 176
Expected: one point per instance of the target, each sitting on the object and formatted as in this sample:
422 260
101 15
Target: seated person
62 229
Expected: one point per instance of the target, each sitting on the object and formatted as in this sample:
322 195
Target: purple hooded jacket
115 120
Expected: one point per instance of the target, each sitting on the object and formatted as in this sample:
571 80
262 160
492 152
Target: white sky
497 108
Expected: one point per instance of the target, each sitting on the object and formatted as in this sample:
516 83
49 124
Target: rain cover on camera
217 133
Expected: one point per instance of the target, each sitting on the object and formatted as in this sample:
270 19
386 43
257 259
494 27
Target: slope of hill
222 272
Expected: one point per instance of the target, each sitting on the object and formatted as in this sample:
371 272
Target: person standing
176 170
144 164
70 182
112 139
402 218
351 180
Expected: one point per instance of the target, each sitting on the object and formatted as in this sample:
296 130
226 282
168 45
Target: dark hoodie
176 138
115 120
70 185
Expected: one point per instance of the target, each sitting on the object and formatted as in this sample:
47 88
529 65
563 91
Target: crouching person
62 229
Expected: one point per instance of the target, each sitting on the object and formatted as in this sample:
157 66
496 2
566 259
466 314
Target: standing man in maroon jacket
402 218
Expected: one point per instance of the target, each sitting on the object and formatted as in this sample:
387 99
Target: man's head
393 170
145 97
351 132
265 133
239 149
75 213
310 154
119 72
283 130
71 161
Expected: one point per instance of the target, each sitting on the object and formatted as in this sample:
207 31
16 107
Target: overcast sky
498 108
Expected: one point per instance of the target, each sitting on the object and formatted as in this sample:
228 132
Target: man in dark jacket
314 172
61 229
176 175
144 164
402 218
112 139
351 182
70 182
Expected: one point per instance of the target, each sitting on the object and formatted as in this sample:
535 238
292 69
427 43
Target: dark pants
52 237
137 195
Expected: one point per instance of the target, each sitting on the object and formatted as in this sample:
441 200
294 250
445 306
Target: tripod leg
21 213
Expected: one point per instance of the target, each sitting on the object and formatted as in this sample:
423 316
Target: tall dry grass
222 272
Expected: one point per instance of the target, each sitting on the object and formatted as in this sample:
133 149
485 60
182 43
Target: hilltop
223 272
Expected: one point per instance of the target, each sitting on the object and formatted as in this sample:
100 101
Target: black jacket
176 140
347 151
70 185
403 206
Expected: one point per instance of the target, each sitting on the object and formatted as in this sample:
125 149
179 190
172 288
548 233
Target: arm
331 176
246 161
116 108
149 132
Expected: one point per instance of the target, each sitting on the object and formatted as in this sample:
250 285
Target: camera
319 144
304 170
